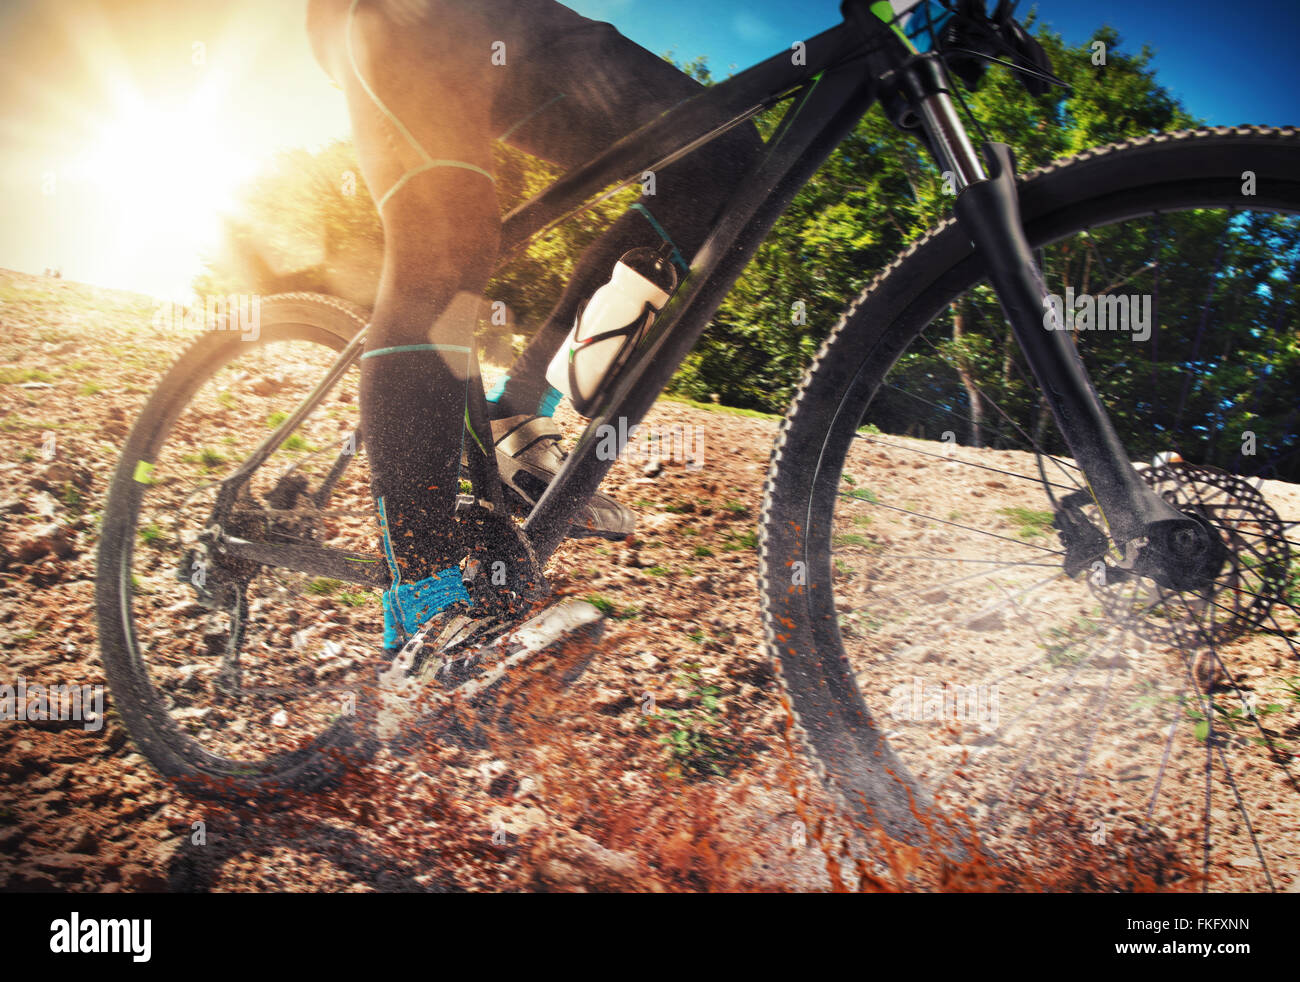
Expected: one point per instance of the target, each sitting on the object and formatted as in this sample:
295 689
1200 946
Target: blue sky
1228 63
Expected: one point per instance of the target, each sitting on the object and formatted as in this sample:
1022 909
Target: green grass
610 609
697 739
1291 592
275 419
659 570
860 624
717 408
865 494
1063 649
72 499
861 521
16 376
226 399
851 539
1031 523
703 552
735 507
606 607
208 457
745 540
1231 719
680 507
296 442
90 389
323 586
150 534
358 599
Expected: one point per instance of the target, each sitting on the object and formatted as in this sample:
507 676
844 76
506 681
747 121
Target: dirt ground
586 797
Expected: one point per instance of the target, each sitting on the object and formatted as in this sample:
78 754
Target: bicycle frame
843 72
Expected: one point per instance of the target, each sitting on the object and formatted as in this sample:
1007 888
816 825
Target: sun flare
166 171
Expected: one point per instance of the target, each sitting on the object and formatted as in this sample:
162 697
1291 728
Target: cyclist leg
420 123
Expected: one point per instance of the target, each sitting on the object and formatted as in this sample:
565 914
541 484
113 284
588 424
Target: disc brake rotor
1251 579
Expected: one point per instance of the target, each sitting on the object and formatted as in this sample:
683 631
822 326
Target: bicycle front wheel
965 682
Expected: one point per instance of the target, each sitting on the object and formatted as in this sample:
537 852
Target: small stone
83 841
51 539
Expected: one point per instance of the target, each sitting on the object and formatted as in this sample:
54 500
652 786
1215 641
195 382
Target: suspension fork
988 211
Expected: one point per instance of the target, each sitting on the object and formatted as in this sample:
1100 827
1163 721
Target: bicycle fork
1176 549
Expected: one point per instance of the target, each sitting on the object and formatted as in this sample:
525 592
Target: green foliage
876 193
323 586
1032 523
696 740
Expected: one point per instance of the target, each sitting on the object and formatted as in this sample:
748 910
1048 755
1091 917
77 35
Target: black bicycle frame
832 80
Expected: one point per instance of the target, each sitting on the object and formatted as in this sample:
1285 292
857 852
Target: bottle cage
631 335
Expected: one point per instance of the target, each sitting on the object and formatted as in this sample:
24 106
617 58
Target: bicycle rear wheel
954 683
240 679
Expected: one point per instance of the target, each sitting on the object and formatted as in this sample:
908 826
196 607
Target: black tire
302 317
842 735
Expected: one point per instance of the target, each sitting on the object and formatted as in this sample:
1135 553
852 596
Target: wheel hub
1208 579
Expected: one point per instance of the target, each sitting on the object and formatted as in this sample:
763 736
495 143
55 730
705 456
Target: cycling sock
501 406
409 605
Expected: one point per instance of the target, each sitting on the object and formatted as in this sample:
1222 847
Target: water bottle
611 324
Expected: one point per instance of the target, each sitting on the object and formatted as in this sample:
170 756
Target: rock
571 861
83 841
144 880
58 474
994 620
51 539
63 866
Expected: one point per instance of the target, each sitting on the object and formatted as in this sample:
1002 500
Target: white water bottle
611 324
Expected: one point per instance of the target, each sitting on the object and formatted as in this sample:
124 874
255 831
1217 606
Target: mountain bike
1097 626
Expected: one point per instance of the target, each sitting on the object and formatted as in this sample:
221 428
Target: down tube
819 122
